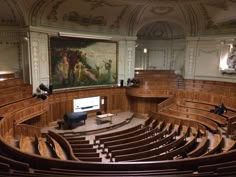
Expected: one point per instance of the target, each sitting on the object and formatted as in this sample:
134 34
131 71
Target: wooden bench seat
169 155
207 106
215 166
26 144
130 139
216 144
132 129
140 142
4 167
201 148
206 122
152 152
83 150
14 164
88 154
74 137
60 153
75 141
125 135
214 117
90 159
82 146
144 147
67 172
43 148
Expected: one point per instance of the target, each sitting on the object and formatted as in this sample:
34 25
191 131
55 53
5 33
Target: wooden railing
11 82
165 103
26 130
17 105
147 93
21 115
16 96
208 98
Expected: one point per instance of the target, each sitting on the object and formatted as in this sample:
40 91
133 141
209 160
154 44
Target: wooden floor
91 126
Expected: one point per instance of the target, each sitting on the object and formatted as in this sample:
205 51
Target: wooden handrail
165 103
22 115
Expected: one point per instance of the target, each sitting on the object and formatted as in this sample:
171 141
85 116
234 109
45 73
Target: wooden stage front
91 126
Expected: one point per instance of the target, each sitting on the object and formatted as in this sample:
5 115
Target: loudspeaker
43 87
50 89
121 83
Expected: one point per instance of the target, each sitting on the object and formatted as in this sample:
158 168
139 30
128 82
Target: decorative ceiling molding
121 17
52 16
89 20
161 30
161 10
36 10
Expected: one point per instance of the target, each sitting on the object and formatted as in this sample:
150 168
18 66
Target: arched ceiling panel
10 14
127 17
89 15
161 30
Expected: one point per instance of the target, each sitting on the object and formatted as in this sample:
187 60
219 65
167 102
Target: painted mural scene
82 62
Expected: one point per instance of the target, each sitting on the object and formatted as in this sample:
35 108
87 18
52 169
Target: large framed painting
80 62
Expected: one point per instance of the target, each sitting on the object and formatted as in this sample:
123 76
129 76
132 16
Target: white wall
10 59
203 57
161 55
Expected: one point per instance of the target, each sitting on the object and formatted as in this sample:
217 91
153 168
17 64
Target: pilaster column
126 60
39 59
190 59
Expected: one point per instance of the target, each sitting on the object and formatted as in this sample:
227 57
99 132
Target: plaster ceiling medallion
162 10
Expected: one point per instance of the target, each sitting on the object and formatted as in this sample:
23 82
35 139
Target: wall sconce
145 50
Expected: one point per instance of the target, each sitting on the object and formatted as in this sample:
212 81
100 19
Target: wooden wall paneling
144 105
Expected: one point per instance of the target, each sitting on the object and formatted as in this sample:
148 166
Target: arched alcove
160 45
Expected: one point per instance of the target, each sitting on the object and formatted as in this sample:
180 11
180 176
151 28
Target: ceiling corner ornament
209 20
52 16
89 20
162 10
116 23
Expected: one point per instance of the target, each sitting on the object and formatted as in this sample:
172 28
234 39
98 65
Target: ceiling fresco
124 17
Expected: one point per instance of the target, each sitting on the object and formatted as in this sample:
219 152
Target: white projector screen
86 104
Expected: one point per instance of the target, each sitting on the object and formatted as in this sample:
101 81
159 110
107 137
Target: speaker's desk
104 118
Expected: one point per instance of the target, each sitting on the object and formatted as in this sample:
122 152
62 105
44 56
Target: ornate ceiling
145 18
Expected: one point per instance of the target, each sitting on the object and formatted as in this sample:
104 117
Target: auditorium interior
117 88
